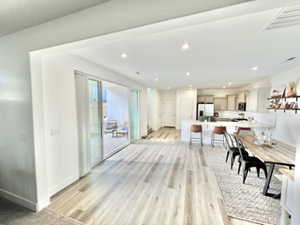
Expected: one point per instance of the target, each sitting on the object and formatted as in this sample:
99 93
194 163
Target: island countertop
208 127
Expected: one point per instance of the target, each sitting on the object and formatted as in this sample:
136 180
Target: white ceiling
221 52
16 15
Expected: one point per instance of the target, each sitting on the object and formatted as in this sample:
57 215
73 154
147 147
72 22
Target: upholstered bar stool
242 130
219 131
196 129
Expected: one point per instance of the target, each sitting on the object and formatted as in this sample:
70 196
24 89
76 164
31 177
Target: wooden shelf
296 97
285 102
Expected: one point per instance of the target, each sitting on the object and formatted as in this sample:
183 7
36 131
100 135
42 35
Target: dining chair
196 129
232 149
220 131
247 162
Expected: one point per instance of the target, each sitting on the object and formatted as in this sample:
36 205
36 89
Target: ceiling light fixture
124 55
290 59
156 79
230 83
185 46
255 68
224 86
188 73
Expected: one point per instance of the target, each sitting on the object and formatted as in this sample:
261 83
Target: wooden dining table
272 155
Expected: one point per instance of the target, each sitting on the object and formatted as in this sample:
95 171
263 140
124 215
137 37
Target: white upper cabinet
231 102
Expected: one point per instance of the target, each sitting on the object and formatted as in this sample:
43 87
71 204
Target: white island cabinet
209 126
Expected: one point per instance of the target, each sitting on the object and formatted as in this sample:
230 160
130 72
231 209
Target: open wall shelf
285 101
296 97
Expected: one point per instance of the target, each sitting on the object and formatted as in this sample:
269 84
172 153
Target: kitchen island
230 126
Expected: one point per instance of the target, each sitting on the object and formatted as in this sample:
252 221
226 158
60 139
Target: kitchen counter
209 126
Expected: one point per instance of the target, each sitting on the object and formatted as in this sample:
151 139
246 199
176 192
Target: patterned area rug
244 201
11 214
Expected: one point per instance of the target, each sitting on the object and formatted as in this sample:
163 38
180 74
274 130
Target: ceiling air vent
289 16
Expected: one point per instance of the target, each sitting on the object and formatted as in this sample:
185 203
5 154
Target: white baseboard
57 188
37 206
18 200
42 204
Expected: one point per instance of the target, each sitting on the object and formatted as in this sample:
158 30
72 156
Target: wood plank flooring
152 182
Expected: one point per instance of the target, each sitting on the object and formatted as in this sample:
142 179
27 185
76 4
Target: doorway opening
115 117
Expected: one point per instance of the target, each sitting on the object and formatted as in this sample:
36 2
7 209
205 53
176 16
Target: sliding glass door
94 128
134 115
108 118
115 117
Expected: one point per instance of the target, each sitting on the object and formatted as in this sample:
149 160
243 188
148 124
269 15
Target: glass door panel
134 115
95 135
115 108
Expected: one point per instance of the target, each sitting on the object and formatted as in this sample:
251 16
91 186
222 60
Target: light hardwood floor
158 181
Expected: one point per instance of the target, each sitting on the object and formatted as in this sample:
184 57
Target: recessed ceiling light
188 73
290 59
124 55
156 79
185 46
255 68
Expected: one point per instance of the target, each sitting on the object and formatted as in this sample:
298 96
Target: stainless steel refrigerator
205 110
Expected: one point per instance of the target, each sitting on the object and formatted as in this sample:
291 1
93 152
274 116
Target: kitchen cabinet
231 102
220 104
205 98
241 97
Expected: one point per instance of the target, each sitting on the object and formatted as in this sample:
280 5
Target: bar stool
196 129
218 131
242 129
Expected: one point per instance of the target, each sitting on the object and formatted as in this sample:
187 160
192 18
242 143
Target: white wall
153 109
60 123
61 118
288 123
168 107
